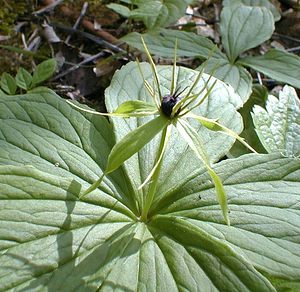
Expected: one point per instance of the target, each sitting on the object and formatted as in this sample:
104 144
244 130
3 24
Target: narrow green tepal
134 141
136 107
195 143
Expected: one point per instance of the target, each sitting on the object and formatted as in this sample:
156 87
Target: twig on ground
75 67
48 7
89 36
79 19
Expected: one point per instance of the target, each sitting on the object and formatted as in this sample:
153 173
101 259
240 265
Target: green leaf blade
277 64
261 3
158 13
235 75
193 255
8 83
23 79
43 71
162 43
120 9
244 27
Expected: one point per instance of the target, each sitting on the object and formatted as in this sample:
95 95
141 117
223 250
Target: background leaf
121 9
162 43
260 3
43 71
159 13
235 75
8 83
23 79
278 126
244 27
279 65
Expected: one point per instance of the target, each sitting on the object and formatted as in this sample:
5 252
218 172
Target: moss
10 11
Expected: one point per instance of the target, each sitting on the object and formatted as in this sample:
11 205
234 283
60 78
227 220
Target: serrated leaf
244 27
278 126
235 75
162 43
8 83
279 65
260 3
23 79
43 71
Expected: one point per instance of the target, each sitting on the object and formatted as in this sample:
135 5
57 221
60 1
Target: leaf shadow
70 275
124 190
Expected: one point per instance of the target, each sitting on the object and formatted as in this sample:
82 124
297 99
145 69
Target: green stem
153 184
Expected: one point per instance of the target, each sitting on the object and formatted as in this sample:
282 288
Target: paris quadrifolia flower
169 111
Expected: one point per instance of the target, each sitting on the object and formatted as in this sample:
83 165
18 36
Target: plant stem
153 184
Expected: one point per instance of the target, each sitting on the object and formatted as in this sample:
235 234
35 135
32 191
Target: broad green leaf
134 141
8 83
235 75
244 27
120 9
43 71
159 13
221 104
162 43
180 238
263 199
41 129
260 3
23 79
135 107
277 64
50 240
278 126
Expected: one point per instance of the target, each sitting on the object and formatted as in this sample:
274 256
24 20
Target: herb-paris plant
172 111
50 240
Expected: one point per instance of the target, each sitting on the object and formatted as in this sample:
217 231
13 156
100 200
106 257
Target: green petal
134 141
194 141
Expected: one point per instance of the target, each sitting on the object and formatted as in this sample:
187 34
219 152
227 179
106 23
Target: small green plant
153 13
172 111
24 80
